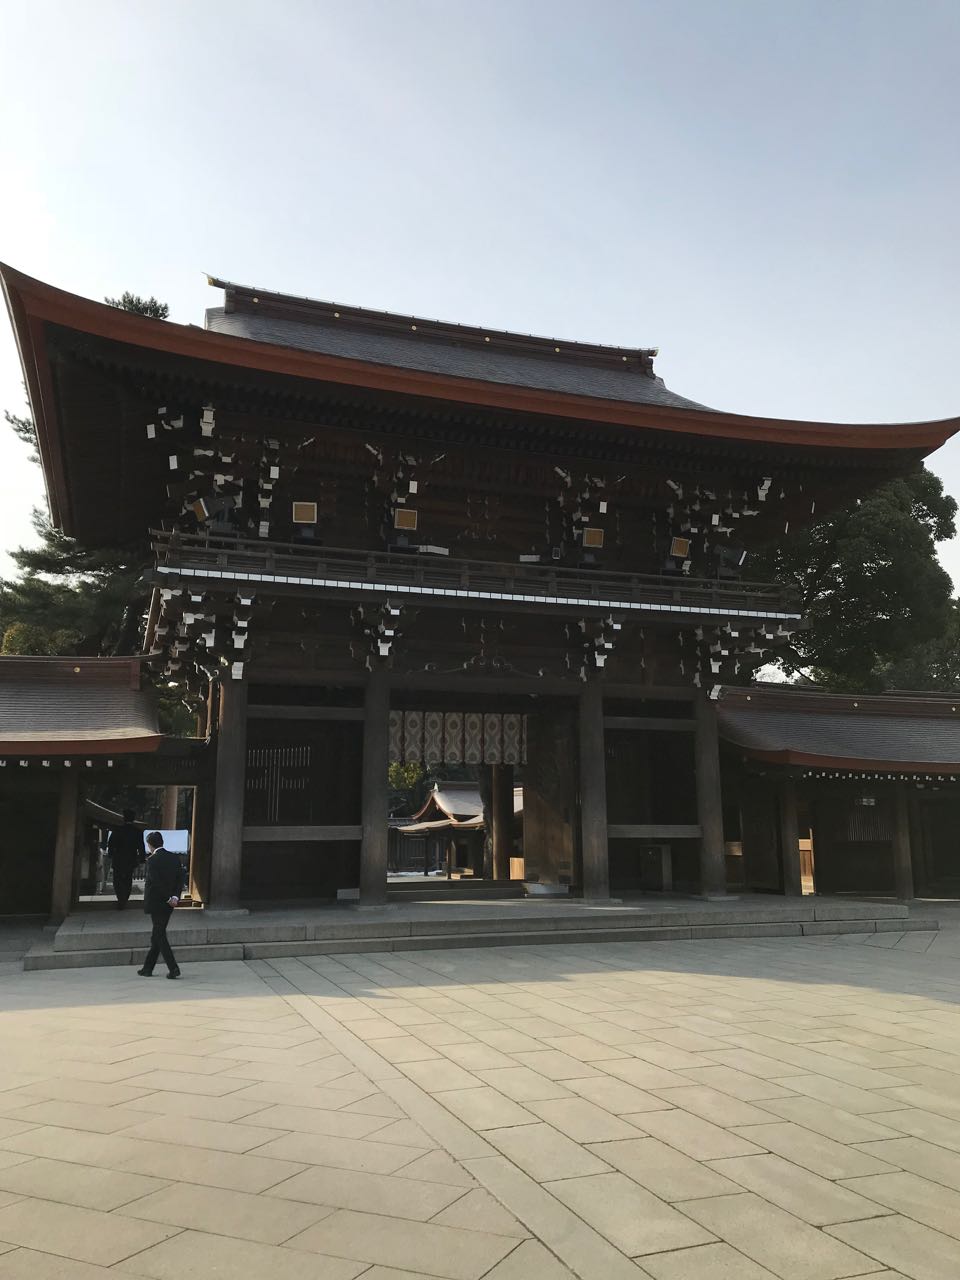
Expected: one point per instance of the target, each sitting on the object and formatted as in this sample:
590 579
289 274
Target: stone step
196 928
45 956
444 889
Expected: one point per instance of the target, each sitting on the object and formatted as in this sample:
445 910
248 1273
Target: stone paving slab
700 1110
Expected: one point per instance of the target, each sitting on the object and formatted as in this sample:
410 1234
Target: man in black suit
161 894
125 850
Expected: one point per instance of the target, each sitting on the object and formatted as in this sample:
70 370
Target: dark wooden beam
593 792
64 857
502 819
902 852
279 835
227 849
654 831
790 838
713 876
373 793
271 712
650 724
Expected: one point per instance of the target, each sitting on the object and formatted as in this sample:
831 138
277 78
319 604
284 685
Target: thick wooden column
790 838
902 853
61 896
502 819
713 875
486 799
227 844
171 802
919 851
201 837
593 793
373 790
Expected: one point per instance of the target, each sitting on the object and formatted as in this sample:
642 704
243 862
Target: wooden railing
216 555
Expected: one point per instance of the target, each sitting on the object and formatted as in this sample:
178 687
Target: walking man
125 850
161 894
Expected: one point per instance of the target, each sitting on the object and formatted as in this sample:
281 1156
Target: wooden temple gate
355 518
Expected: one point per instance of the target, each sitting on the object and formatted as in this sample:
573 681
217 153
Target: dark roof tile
837 738
57 717
465 358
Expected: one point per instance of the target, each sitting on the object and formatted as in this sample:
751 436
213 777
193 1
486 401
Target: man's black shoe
145 973
174 974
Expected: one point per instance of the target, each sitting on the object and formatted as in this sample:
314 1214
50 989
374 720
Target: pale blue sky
765 189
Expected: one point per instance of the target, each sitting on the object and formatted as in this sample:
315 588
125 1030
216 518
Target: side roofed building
67 724
376 538
843 793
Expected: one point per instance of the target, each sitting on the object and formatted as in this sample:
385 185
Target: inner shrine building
372 538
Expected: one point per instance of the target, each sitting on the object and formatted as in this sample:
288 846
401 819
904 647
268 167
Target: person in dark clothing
161 894
125 850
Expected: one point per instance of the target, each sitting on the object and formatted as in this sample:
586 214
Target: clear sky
765 189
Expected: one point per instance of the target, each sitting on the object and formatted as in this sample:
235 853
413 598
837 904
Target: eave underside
104 396
154 349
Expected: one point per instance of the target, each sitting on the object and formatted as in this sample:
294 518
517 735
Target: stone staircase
93 939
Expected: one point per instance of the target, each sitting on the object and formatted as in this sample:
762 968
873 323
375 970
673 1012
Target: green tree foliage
140 306
408 786
932 666
23 429
70 599
35 641
869 583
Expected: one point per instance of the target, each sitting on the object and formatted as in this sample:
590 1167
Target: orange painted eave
31 303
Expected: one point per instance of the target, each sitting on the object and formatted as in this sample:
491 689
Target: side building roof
900 732
75 706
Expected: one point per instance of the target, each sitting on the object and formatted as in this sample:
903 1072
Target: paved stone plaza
723 1110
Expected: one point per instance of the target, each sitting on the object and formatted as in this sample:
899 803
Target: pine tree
140 306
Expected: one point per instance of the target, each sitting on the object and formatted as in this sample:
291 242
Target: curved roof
454 799
913 733
459 802
531 377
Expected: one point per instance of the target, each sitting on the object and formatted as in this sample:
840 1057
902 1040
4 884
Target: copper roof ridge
431 327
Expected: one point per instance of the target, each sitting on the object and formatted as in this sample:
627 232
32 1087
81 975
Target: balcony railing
237 560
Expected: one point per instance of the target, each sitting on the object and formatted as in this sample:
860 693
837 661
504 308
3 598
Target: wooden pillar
168 812
502 819
790 839
593 793
201 837
373 790
227 845
919 850
61 896
713 875
902 855
486 799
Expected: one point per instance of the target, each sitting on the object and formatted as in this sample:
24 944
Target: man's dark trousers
122 884
159 945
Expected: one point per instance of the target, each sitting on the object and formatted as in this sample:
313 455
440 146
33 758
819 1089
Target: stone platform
93 938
